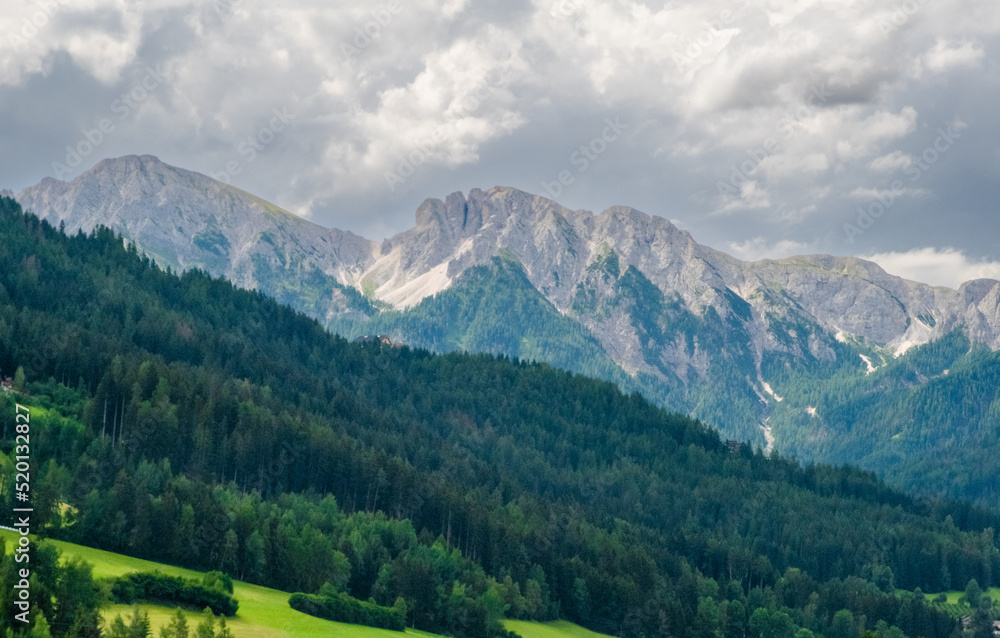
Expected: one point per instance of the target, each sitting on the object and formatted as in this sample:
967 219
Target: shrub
344 608
217 581
154 586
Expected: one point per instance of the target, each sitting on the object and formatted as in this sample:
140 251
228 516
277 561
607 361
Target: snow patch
768 437
412 292
905 345
767 388
868 362
916 335
760 396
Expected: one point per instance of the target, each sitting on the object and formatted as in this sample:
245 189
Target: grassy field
264 612
554 629
953 607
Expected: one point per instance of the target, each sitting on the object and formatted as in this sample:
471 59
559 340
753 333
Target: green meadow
554 629
264 612
952 606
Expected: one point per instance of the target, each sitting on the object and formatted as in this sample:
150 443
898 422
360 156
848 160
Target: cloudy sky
764 127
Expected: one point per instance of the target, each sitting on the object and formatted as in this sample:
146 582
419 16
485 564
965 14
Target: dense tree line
138 626
186 421
64 599
928 420
496 309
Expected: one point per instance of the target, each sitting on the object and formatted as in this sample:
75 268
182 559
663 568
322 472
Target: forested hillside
929 420
777 352
187 421
495 309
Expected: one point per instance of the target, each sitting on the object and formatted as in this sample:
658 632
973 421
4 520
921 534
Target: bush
154 586
217 581
344 608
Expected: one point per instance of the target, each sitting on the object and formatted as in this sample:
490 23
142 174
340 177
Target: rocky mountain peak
455 216
649 306
186 219
976 290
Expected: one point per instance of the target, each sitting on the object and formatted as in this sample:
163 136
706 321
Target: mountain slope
192 422
930 419
622 295
263 611
713 332
558 247
186 220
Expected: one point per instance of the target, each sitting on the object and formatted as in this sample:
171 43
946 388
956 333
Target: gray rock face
187 220
659 303
843 295
855 297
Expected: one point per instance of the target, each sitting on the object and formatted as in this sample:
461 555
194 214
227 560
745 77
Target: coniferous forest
180 419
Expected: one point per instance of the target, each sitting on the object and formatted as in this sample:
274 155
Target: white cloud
885 194
787 165
891 162
101 36
945 267
945 55
759 248
750 197
719 78
458 102
880 127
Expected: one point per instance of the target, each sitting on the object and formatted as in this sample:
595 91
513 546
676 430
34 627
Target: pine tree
40 627
206 628
224 630
139 627
178 626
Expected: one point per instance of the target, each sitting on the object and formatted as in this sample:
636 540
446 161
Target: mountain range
179 418
824 357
